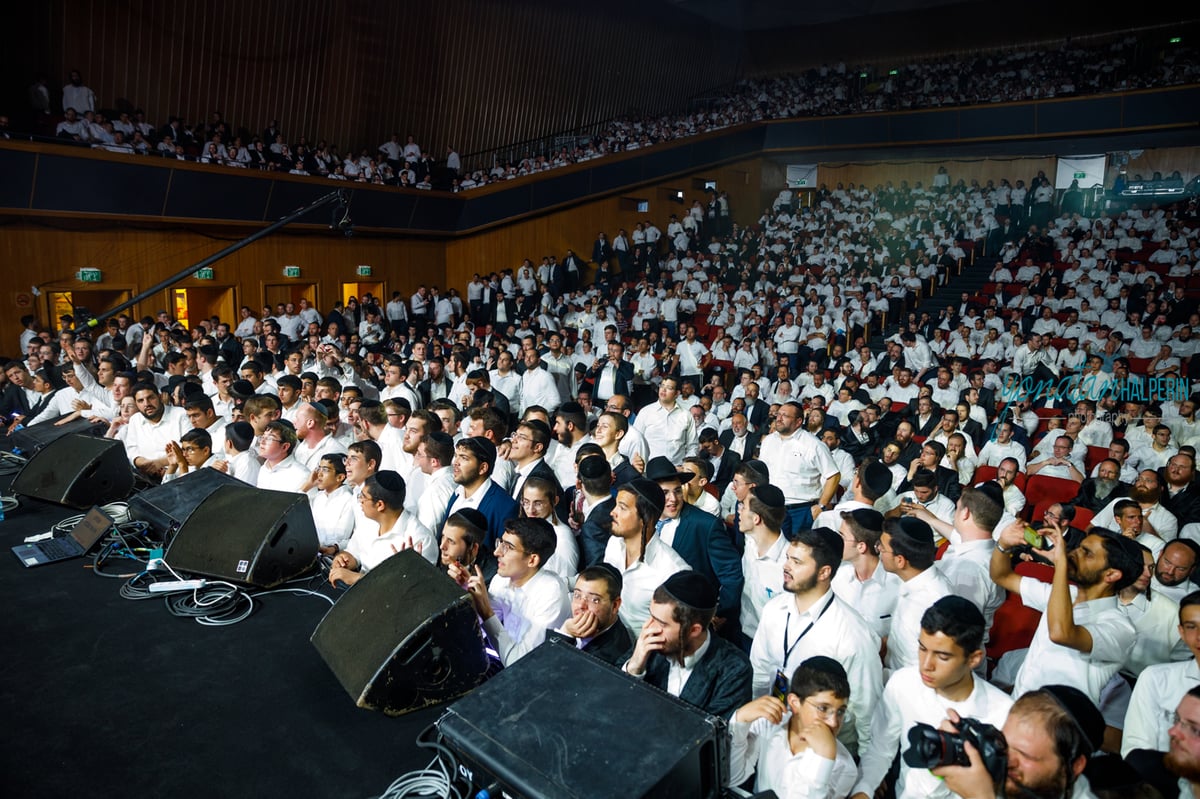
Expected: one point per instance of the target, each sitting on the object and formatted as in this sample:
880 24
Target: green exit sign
204 274
1080 175
89 275
363 270
802 182
291 271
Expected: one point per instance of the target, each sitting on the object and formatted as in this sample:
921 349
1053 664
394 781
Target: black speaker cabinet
77 471
33 439
247 535
403 637
166 507
561 723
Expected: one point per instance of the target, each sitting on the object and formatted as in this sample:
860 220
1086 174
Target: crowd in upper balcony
987 77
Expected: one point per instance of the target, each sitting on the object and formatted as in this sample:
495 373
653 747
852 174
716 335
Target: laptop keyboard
59 547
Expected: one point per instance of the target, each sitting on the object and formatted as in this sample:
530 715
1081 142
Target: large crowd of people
1070 69
670 451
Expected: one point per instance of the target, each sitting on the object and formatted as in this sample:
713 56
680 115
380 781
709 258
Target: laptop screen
94 524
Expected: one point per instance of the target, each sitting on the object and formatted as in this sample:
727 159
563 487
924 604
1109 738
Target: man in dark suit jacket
701 540
1181 495
1108 476
474 460
437 376
15 399
594 625
595 504
930 458
739 429
758 411
614 366
721 679
726 459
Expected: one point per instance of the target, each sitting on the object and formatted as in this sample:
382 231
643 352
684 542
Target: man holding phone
1083 637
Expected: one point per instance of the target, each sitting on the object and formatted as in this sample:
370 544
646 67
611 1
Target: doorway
194 304
360 290
87 303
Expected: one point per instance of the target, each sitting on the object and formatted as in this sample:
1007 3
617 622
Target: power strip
176 585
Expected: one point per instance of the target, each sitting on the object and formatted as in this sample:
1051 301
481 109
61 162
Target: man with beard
676 652
808 619
1083 637
1173 569
1106 486
1147 491
152 429
1051 733
1183 759
1182 495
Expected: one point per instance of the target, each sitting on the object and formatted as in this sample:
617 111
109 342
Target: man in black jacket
717 676
594 625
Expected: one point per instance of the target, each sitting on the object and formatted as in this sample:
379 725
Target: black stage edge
106 696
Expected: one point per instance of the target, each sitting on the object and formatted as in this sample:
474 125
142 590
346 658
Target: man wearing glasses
522 601
594 624
280 470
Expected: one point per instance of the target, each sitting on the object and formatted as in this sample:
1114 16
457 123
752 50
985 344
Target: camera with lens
929 747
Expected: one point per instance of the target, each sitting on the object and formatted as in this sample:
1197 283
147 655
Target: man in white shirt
636 551
280 470
522 601
907 550
392 529
1160 687
809 619
668 427
861 582
433 457
800 464
760 519
1091 635
537 385
151 430
951 649
310 422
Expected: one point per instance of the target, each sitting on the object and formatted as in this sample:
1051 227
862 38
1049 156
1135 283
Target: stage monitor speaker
620 738
31 440
166 507
77 471
247 535
404 637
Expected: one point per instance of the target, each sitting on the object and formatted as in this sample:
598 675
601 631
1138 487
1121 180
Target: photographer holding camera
950 648
1050 735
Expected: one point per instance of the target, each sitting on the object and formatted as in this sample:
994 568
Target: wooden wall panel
476 74
1165 160
136 259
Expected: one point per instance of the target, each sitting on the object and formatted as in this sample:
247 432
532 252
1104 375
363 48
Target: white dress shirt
333 515
642 578
370 547
912 600
1156 696
146 439
763 580
762 748
799 465
874 598
906 702
838 632
523 614
670 433
1048 663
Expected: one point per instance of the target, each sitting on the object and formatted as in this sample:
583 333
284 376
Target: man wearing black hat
700 539
636 550
595 624
860 580
760 519
593 503
1051 734
472 465
676 652
907 550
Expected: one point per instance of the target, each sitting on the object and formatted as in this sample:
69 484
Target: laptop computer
90 529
